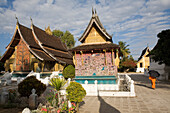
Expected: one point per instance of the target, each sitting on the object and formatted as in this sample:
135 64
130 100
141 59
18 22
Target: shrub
57 83
75 93
69 72
25 87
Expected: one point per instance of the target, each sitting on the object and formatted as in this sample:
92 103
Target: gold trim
105 56
75 58
82 57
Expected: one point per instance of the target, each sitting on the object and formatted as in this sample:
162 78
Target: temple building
34 49
143 61
97 55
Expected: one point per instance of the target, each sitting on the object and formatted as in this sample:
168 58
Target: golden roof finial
95 12
17 19
92 12
31 21
48 30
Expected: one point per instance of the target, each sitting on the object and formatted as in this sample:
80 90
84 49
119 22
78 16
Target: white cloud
143 20
3 2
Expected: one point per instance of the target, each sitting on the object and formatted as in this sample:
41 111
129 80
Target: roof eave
40 44
93 20
28 45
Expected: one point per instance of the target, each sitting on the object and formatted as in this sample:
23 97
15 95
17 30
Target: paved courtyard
146 101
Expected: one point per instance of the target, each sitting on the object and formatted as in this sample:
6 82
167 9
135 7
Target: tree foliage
123 48
25 87
161 52
58 33
75 93
127 64
69 72
66 37
57 83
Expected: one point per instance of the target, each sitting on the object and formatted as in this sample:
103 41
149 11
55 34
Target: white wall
162 69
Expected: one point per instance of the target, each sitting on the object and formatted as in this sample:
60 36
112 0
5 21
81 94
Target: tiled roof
100 46
41 45
48 40
95 21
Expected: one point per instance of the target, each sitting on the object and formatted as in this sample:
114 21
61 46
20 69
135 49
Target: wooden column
75 58
117 59
105 56
112 57
82 57
42 66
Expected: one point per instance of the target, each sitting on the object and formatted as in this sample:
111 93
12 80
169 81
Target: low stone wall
110 89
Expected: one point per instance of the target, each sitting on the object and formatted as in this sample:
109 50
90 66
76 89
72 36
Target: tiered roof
95 22
43 46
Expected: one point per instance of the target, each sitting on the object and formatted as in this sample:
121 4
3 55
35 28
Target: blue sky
137 22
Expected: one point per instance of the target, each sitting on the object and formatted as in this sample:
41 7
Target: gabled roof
52 45
143 53
95 20
96 46
43 46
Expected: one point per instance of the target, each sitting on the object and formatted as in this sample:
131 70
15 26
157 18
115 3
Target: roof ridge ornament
95 12
31 21
92 12
16 19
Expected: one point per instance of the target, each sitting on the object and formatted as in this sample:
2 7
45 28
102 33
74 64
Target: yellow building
143 61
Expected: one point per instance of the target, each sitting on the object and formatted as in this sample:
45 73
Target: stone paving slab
146 101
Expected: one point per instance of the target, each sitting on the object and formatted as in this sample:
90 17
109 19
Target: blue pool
100 79
25 74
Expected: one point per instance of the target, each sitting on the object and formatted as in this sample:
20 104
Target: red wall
22 57
94 63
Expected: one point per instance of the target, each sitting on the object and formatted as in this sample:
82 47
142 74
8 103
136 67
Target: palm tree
58 83
123 48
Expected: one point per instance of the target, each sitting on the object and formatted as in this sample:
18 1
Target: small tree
127 63
25 87
57 83
58 33
123 48
161 52
69 72
75 93
66 37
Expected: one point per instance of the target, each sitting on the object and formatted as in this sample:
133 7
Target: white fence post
132 88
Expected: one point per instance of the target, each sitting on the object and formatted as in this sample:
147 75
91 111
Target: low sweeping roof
43 46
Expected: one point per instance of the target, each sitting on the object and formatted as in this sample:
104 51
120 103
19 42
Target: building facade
143 61
97 55
34 49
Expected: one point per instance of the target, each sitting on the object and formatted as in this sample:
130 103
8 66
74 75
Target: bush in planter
75 93
25 87
69 72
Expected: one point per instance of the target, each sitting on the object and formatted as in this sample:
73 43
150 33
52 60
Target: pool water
25 74
100 79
